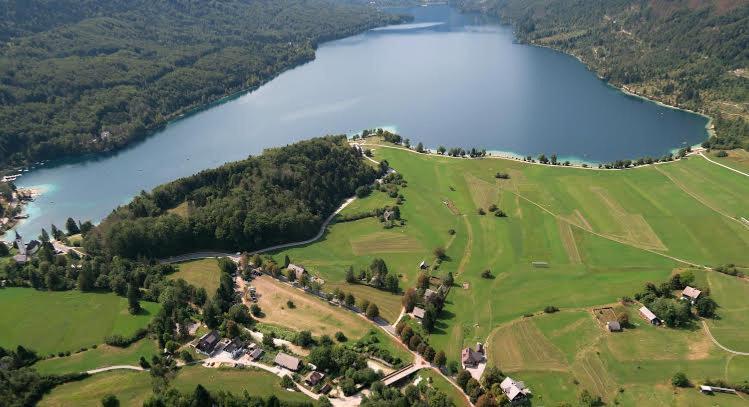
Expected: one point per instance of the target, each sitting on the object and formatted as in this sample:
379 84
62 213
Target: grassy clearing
200 273
132 388
50 322
310 313
102 356
182 210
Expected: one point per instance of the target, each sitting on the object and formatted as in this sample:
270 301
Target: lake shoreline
709 127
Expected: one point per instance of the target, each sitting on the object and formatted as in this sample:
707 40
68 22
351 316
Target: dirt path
718 344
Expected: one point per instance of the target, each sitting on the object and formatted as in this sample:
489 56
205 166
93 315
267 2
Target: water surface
445 79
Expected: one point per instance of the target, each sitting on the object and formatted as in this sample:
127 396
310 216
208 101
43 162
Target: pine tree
133 296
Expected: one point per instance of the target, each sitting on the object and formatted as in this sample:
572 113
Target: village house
255 353
471 358
514 390
418 313
298 271
388 215
287 362
314 378
649 316
208 342
690 294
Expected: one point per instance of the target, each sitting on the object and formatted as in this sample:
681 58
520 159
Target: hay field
310 313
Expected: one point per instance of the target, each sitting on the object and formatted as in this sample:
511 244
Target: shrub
122 342
255 310
551 309
186 356
486 274
287 382
451 232
290 304
363 191
340 337
680 380
721 154
500 213
492 208
481 211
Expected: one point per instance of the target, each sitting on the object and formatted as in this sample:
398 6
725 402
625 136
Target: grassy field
309 313
102 356
132 388
732 295
65 320
200 273
604 235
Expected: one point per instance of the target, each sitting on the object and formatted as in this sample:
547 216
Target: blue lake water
445 79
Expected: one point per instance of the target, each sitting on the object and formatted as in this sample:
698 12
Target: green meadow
133 388
60 321
200 273
604 234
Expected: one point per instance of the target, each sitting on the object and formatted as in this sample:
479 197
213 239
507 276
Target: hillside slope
89 76
687 53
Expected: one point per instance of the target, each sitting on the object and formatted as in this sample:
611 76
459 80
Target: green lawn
200 273
132 388
440 383
256 382
51 322
102 356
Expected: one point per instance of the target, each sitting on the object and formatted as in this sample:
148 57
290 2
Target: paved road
723 165
715 341
235 256
117 367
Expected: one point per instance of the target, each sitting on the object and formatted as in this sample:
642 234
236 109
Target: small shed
423 265
649 316
541 264
614 326
418 313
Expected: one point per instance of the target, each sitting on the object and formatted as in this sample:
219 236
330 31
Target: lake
445 79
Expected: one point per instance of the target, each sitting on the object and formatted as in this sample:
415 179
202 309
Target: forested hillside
80 76
281 196
688 53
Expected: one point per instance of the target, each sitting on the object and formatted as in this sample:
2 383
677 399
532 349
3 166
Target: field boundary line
723 165
687 262
699 199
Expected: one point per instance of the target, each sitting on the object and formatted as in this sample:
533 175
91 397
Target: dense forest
79 76
281 196
688 53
